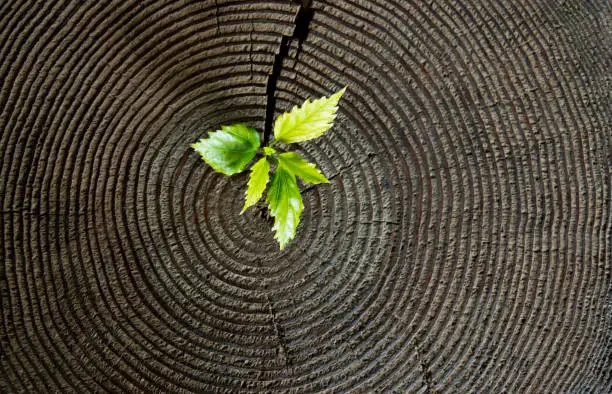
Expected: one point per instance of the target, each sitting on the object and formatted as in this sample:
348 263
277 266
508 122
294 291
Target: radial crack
300 31
217 14
425 371
251 49
283 351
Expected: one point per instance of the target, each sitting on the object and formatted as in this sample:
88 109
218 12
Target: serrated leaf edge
335 96
249 185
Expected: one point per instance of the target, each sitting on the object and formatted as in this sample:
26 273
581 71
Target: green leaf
309 121
300 167
269 151
285 203
230 149
257 182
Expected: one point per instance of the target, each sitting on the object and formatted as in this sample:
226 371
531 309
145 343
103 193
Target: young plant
230 149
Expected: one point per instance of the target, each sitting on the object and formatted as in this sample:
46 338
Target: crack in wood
283 351
300 32
217 15
429 389
251 50
39 214
341 170
282 346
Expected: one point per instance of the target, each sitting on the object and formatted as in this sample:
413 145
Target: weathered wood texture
463 244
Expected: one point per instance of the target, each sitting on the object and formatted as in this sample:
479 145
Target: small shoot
230 149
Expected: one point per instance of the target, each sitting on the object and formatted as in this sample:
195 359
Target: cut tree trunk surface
463 244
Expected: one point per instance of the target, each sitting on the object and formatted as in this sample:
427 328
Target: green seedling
232 148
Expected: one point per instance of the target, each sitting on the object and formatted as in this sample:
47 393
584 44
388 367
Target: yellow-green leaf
269 151
309 121
285 204
230 149
257 182
300 167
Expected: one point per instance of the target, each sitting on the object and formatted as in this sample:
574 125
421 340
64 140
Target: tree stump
463 244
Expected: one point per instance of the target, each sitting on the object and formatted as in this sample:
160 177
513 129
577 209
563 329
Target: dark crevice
341 170
251 49
15 211
282 349
283 352
300 32
217 14
429 389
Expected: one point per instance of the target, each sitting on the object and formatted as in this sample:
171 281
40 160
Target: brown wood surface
463 244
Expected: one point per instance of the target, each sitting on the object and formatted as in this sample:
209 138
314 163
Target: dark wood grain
463 244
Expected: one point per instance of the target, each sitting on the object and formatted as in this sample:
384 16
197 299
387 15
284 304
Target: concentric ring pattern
463 244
